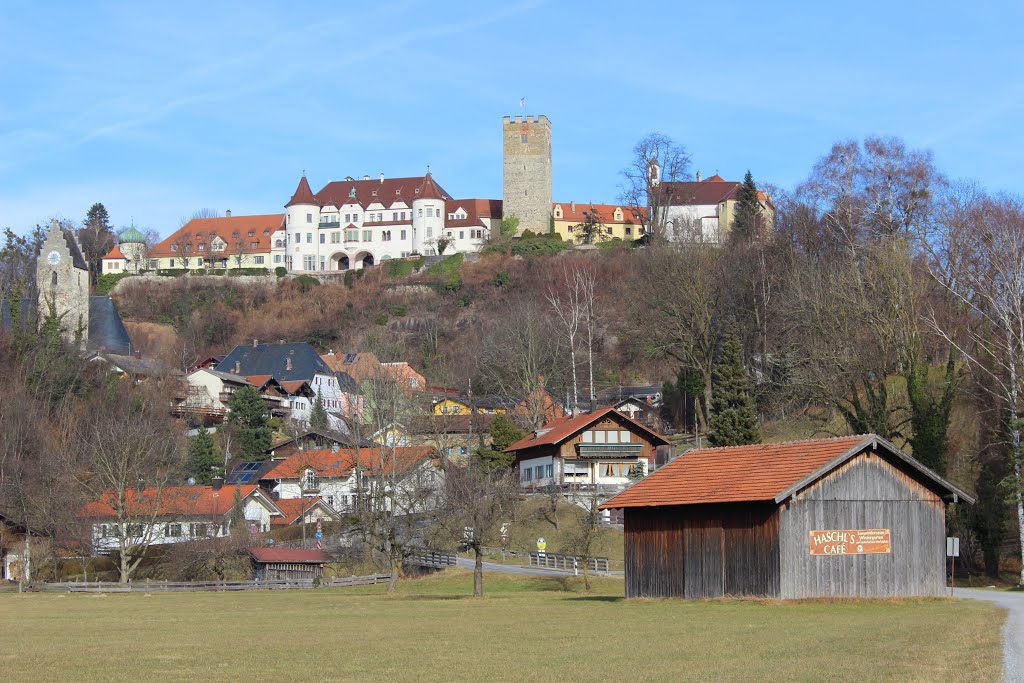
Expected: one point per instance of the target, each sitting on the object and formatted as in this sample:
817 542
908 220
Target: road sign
270 541
319 535
952 546
541 545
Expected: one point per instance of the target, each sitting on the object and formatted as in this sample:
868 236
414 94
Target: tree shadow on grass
598 598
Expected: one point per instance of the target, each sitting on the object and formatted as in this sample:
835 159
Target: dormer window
252 234
558 211
202 247
174 247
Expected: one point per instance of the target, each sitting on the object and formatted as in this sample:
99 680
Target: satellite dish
191 481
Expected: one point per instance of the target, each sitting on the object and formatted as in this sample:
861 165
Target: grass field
527 628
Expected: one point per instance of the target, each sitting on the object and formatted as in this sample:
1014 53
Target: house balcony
593 451
329 224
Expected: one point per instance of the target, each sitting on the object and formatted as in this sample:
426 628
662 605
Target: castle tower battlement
527 171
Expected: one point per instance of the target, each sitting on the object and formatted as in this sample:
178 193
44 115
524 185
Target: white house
174 514
702 210
359 223
345 478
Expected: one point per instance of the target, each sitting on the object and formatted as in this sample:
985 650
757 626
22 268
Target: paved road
1013 632
511 568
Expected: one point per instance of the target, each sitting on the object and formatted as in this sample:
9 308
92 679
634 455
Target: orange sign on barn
850 542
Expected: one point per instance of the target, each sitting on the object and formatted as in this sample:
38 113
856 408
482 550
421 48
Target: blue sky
160 109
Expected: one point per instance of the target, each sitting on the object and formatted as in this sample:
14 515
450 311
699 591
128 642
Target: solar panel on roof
244 473
350 357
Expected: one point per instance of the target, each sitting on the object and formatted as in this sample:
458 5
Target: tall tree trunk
395 569
478 573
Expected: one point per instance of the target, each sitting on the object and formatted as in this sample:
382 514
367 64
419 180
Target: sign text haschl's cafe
850 542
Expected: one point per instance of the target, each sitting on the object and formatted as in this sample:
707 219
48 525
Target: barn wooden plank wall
866 493
702 550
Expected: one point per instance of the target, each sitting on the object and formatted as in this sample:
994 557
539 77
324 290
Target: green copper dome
131 235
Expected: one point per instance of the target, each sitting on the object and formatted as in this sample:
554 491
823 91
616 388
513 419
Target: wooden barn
275 564
844 517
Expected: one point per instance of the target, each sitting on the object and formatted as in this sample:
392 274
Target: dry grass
526 629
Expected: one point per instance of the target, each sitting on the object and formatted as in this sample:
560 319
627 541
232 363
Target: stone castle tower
527 178
62 277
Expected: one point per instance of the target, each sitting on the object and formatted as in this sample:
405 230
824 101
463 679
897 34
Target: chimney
698 176
572 207
381 178
217 482
227 214
366 177
255 343
288 364
238 367
334 447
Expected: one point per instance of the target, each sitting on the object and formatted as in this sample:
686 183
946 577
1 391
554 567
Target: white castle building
358 223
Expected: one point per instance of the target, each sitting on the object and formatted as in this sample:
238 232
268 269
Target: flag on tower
522 102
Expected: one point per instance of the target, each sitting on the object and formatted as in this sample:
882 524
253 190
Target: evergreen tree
248 419
318 418
592 229
96 237
504 432
748 212
733 414
204 460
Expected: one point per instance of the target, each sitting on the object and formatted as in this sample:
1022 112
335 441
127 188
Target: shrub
447 266
106 282
402 267
350 278
218 271
306 283
502 279
399 310
200 271
248 271
381 319
172 272
280 271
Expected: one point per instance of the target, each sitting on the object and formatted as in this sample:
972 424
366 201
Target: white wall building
359 223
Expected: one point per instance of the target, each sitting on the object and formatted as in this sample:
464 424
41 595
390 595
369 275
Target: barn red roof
557 431
115 252
340 463
293 508
302 195
171 500
233 230
761 472
291 555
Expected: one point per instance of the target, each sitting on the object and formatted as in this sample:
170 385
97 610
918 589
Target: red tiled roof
292 555
293 509
340 463
605 213
302 195
735 474
115 252
387 191
476 210
171 500
430 189
557 431
200 231
715 179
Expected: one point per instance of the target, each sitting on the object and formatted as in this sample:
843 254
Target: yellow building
459 406
616 222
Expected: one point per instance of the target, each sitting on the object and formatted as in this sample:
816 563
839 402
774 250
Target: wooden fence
193 586
567 562
433 560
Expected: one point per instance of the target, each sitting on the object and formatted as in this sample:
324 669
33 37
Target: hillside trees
648 181
249 423
734 420
96 237
204 459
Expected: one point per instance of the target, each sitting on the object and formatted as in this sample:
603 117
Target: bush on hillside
172 272
248 271
280 271
306 283
107 281
402 267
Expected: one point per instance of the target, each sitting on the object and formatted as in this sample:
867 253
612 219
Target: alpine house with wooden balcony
595 450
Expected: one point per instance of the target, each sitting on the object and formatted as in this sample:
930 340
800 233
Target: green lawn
526 629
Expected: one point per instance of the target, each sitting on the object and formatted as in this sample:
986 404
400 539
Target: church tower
527 177
62 279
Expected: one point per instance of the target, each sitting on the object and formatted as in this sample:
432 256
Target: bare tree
133 452
238 240
583 539
979 260
182 246
477 500
570 309
649 182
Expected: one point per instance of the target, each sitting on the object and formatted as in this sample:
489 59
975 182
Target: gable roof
198 230
476 210
295 508
759 472
559 430
341 463
713 190
106 329
114 253
173 500
72 244
578 211
272 360
289 555
386 192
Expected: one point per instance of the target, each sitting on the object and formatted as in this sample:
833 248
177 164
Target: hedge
106 282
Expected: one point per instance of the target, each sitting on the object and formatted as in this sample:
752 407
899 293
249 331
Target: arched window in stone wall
53 279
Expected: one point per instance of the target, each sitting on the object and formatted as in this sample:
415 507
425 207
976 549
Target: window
351 235
430 212
380 216
323 264
197 530
403 215
309 218
367 235
133 530
309 238
174 247
385 236
615 469
202 247
348 218
527 474
403 234
588 437
420 213
310 480
254 245
258 260
335 237
154 264
323 238
549 471
462 234
330 500
172 263
612 437
624 436
355 218
523 138
629 231
308 262
277 258
430 232
394 215
539 469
